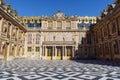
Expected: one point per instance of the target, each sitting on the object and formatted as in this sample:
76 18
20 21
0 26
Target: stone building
11 33
107 33
60 36
55 37
44 37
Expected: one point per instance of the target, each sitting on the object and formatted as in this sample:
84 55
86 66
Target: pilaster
15 52
1 23
6 55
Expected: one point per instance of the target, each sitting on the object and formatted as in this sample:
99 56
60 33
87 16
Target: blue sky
49 7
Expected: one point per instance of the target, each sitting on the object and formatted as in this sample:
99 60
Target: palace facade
107 33
11 33
60 37
44 37
55 37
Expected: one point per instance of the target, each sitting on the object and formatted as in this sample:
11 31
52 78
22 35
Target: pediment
59 15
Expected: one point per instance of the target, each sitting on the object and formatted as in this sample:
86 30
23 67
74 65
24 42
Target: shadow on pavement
98 62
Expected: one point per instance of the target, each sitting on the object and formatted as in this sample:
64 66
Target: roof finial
59 11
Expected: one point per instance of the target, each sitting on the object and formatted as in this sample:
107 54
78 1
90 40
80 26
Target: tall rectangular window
59 25
118 21
50 24
4 28
29 38
29 49
113 25
37 49
116 47
105 30
108 30
37 39
68 24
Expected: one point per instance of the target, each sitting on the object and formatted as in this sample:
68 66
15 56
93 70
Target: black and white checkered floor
24 69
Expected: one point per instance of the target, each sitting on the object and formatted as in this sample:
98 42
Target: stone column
73 51
45 53
21 51
17 34
1 23
65 53
15 52
6 55
10 30
42 51
55 52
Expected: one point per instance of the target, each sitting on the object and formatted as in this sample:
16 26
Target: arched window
49 37
59 37
68 37
4 29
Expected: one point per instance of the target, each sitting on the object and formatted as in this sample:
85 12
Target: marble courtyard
26 69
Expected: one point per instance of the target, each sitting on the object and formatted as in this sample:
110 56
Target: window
69 50
108 30
49 51
9 25
83 21
49 37
59 51
88 38
68 37
59 24
37 49
68 24
37 39
29 49
50 24
105 31
29 38
80 26
119 24
116 48
113 27
4 29
106 47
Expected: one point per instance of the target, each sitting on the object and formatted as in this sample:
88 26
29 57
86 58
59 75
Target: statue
1 2
117 2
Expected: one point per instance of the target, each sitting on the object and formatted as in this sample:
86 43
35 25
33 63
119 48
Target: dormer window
50 24
59 24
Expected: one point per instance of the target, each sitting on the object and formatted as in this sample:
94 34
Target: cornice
9 17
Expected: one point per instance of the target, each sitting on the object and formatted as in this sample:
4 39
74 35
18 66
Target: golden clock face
59 15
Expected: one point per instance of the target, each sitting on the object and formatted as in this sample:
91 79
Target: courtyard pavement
26 69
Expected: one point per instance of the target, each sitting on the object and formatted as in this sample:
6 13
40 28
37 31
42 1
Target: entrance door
49 53
69 53
59 53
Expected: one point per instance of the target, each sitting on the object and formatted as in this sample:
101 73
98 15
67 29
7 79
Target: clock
59 15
